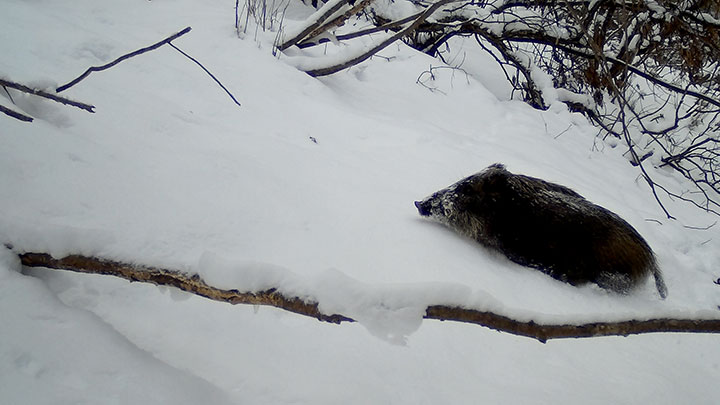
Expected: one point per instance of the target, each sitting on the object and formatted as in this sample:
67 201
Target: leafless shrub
644 72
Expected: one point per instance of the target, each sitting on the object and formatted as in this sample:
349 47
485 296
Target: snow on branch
327 11
192 283
186 282
338 21
382 44
44 94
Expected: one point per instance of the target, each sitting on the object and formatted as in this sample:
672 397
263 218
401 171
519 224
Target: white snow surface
308 187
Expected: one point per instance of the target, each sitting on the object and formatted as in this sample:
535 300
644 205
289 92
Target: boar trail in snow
546 226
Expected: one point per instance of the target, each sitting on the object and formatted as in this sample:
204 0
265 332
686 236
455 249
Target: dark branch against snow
44 94
15 114
122 58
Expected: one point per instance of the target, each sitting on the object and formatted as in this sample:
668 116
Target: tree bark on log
186 282
192 283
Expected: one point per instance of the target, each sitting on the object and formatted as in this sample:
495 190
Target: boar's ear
498 166
491 182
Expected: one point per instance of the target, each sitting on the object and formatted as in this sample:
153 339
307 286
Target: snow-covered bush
644 72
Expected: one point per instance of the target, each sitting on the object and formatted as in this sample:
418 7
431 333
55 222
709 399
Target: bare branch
332 8
206 71
272 297
340 20
186 282
122 58
44 94
15 114
382 45
545 332
384 27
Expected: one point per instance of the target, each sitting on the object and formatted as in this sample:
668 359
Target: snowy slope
170 172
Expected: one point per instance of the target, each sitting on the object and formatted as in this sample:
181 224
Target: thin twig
122 58
15 114
8 94
208 72
44 94
700 228
272 297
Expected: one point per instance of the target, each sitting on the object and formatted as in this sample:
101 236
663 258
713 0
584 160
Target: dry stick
185 282
15 114
354 61
208 72
40 93
271 297
332 9
9 95
340 20
545 332
310 42
122 58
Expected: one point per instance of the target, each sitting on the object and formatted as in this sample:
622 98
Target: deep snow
170 172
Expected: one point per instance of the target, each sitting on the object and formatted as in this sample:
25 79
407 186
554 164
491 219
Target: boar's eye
447 210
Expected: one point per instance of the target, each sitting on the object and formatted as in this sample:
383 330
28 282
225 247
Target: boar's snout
423 208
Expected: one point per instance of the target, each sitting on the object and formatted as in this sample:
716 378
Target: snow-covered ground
309 185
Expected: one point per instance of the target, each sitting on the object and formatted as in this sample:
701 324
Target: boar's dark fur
546 226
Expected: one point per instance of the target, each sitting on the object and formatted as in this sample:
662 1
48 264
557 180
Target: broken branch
15 114
122 58
382 45
343 37
330 8
272 297
44 94
340 20
190 283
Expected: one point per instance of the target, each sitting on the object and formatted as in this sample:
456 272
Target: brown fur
546 226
